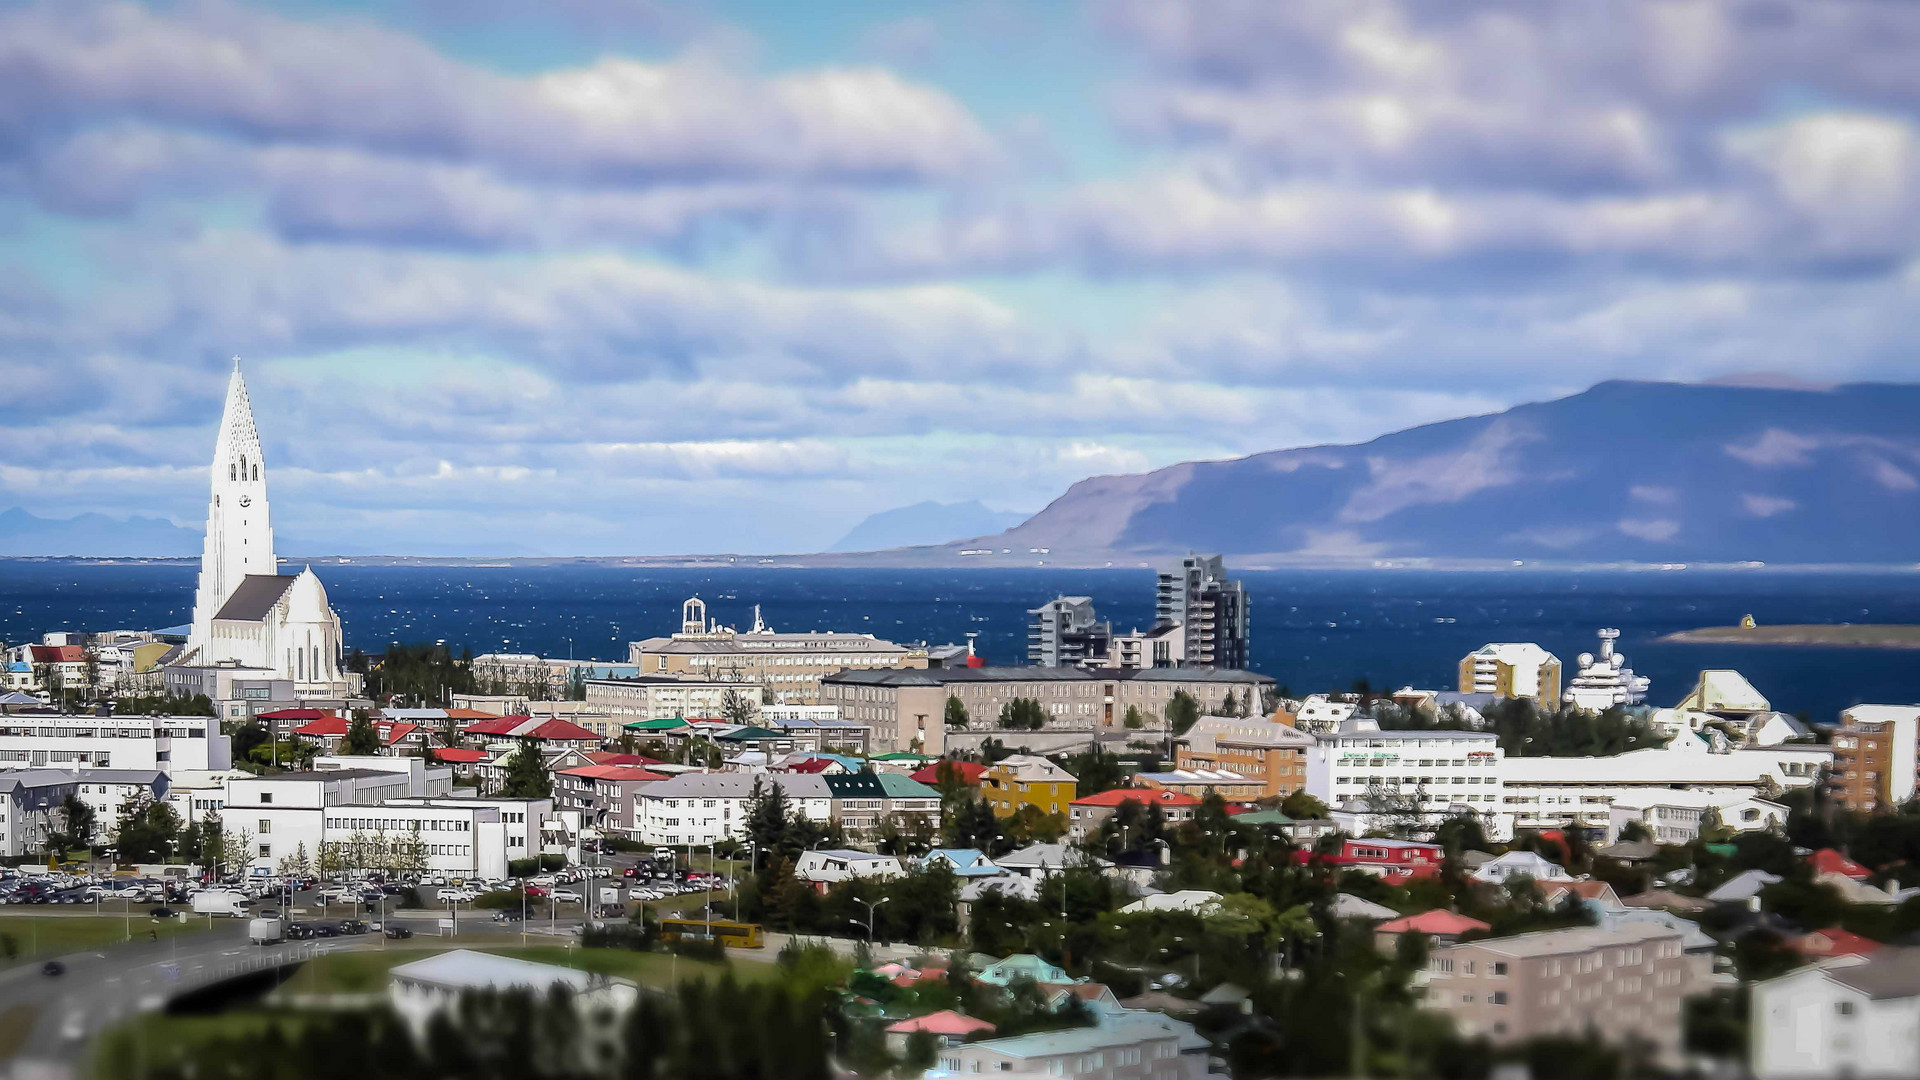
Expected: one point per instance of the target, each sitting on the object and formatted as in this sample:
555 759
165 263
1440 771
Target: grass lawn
51 935
366 972
122 1050
15 1025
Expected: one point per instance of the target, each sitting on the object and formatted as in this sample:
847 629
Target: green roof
668 724
750 734
904 787
1260 817
904 756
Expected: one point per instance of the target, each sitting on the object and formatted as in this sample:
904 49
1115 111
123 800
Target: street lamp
872 906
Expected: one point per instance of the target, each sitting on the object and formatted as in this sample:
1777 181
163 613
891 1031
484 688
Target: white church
250 621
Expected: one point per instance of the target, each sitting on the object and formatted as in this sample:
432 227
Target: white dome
1585 659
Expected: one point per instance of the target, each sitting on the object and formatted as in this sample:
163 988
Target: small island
1833 636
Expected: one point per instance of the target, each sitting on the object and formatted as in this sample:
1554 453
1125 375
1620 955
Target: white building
422 778
827 867
107 792
1674 817
1517 863
1605 680
524 822
424 988
1440 770
664 696
284 812
705 808
1123 1044
1850 1016
455 839
1319 713
244 610
1546 792
163 743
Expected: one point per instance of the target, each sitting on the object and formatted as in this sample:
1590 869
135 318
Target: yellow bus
733 935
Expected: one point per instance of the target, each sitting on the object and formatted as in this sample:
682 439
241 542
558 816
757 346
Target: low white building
658 696
526 823
1439 770
1849 1016
1547 792
163 743
1674 817
453 839
108 792
706 808
1123 1044
283 813
423 989
824 868
1514 864
422 778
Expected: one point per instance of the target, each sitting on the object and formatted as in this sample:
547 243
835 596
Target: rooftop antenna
971 634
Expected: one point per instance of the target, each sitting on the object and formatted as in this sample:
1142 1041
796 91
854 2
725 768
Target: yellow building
1023 780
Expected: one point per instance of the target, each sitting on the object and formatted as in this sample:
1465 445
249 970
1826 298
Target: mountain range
95 536
1623 472
924 523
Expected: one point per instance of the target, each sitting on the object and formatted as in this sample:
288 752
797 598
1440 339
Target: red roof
1140 795
1829 861
613 772
969 771
58 654
945 1022
525 727
1833 942
454 755
1437 921
608 757
335 727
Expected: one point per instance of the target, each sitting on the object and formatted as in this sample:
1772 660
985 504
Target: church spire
239 529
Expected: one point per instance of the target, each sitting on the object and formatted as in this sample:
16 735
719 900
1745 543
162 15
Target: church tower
239 532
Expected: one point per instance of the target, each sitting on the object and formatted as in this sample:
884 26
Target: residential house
963 863
1025 780
706 808
863 800
1200 783
423 989
606 796
329 732
1518 863
1123 1044
1437 926
825 868
28 800
948 1028
1039 861
1086 816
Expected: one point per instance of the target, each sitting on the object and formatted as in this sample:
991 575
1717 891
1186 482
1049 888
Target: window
266 797
1843 1008
266 826
1498 997
266 851
1499 967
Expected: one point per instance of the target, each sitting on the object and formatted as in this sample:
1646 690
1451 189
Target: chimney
1753 903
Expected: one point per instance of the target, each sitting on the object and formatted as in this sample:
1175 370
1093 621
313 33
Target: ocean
1312 630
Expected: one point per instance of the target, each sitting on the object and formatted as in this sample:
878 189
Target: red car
534 892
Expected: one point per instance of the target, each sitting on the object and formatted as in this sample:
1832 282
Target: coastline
1829 636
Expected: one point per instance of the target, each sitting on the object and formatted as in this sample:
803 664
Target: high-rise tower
239 530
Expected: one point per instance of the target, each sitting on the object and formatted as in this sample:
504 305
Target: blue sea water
1313 630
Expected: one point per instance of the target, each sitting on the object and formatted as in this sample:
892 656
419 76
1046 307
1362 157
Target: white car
566 896
459 896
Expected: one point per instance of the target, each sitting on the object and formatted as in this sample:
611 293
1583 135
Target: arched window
256 471
232 473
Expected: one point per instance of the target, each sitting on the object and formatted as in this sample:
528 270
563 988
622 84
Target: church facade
246 613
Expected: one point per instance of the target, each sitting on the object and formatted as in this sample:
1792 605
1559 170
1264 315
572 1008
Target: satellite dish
1585 659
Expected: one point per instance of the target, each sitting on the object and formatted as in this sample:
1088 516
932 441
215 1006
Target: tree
1023 714
737 708
1182 712
1228 704
1095 770
298 864
956 716
77 824
1134 721
1635 831
147 831
527 776
1302 806
236 849
363 739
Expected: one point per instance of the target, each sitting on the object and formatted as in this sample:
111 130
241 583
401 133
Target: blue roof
966 862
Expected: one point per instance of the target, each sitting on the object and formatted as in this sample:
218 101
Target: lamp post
872 906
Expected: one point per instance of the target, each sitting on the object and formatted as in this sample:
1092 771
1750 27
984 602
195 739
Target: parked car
353 926
565 896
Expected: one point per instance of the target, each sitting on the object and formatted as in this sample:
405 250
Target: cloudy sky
636 276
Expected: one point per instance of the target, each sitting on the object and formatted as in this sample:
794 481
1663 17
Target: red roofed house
968 771
1085 816
1440 927
396 737
946 1026
607 796
1829 861
1409 858
545 729
1832 941
464 762
609 757
1558 893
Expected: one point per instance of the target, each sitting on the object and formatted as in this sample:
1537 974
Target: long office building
791 665
163 743
905 709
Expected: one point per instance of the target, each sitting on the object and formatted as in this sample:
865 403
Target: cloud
1766 506
1658 531
1775 448
1894 478
1439 479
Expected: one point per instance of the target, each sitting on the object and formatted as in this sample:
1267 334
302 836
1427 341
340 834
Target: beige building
907 707
1267 750
791 665
1626 983
1512 669
661 697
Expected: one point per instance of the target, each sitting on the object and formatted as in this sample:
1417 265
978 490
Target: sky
639 276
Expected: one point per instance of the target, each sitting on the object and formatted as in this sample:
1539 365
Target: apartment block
1874 754
1273 753
1212 611
1512 670
1625 983
1024 780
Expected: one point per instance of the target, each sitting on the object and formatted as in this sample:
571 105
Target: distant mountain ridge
1625 471
95 535
924 523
